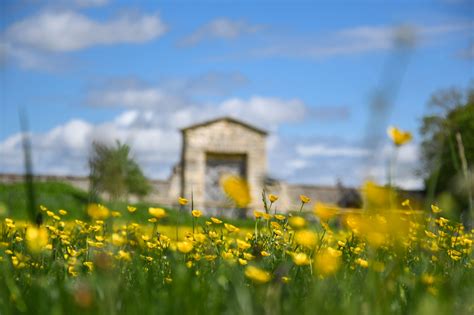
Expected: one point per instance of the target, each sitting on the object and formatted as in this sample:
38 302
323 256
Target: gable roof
227 119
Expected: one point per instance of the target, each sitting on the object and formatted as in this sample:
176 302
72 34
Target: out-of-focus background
107 87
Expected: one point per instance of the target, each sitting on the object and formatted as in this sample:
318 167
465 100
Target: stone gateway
220 147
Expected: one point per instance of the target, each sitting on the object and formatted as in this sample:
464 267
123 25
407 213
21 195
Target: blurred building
216 148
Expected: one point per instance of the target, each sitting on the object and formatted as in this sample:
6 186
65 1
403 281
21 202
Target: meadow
384 259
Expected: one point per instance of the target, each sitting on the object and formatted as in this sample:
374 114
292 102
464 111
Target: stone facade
239 146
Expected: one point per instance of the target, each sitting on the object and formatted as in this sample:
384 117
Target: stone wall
165 192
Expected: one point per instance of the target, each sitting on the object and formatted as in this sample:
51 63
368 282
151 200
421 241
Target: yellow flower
231 228
264 253
257 275
272 198
184 247
435 209
327 261
280 217
97 211
36 238
257 214
227 255
297 222
89 265
131 209
158 213
242 244
306 238
406 203
362 262
243 262
117 240
196 213
62 212
324 211
216 220
305 199
123 255
237 189
182 201
301 259
275 225
399 137
428 279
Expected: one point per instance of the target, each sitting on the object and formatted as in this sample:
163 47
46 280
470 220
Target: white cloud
68 31
135 97
330 151
38 41
221 28
358 40
153 135
170 94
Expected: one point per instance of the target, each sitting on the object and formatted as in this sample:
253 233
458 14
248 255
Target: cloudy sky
311 73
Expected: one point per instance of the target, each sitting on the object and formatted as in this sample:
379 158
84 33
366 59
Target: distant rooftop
227 119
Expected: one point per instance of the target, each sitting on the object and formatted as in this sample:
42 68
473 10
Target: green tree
448 147
115 172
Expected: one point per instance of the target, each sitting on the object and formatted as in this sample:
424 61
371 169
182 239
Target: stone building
213 149
216 148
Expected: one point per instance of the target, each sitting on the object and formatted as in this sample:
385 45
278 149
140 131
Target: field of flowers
318 259
386 258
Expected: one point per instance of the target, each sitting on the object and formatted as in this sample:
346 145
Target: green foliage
54 195
114 172
454 113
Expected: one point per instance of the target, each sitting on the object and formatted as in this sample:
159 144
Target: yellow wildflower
272 198
131 209
196 213
362 262
257 214
324 211
280 217
237 189
257 275
327 261
158 213
184 247
231 228
297 222
123 255
306 238
97 211
89 265
399 137
216 220
182 201
305 199
435 209
301 259
36 238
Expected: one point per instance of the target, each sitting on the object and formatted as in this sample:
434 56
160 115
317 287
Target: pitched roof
227 119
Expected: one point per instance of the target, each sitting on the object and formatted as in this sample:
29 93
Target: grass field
379 260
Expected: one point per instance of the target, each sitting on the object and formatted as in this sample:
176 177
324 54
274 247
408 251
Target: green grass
58 195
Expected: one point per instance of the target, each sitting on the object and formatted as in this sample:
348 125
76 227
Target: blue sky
87 70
